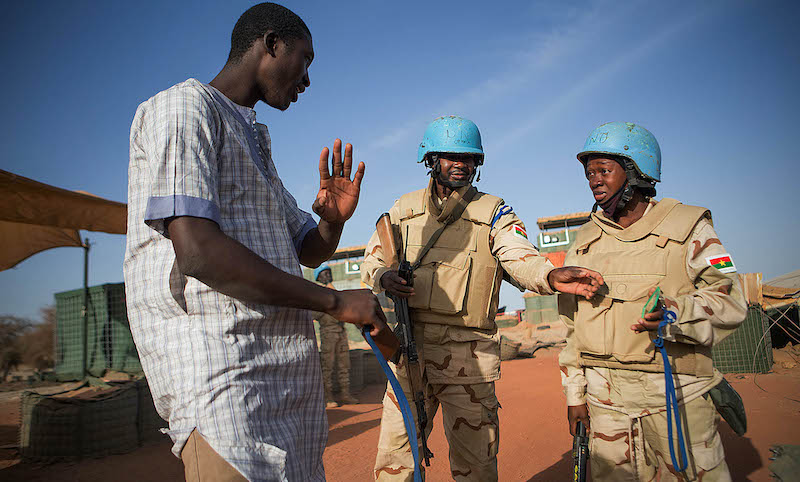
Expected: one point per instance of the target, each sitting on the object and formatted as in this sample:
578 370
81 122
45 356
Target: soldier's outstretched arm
530 270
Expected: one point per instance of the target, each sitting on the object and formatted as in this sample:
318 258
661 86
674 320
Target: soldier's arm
519 258
374 265
717 306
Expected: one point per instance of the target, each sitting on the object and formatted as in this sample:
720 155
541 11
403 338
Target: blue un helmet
319 269
629 141
451 134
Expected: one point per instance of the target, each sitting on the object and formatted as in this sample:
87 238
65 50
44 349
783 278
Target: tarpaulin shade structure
35 217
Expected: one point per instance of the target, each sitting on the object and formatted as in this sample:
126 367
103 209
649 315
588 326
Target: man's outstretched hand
578 281
338 195
361 308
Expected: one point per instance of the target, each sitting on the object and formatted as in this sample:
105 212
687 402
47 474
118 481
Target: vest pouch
629 294
449 288
590 330
423 280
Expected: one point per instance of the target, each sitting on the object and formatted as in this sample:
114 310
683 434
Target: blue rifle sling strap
672 397
405 408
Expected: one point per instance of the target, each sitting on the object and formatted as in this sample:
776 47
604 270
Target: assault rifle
580 452
405 327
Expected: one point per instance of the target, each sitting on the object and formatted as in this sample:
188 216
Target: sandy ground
534 444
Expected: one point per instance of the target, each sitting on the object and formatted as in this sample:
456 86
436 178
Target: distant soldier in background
612 371
334 348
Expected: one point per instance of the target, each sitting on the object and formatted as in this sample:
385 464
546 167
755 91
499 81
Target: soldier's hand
395 285
361 308
651 320
578 281
576 413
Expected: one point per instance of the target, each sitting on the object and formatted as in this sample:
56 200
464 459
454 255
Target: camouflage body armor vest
649 253
458 280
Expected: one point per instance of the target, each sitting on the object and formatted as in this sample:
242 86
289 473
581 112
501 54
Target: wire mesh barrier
103 338
93 420
749 348
372 369
149 423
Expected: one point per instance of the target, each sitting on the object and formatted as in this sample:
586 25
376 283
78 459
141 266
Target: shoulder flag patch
722 262
519 231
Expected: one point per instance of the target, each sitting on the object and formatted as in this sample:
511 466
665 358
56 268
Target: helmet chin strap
621 198
436 173
617 202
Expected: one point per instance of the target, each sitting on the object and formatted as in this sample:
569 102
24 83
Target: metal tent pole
86 247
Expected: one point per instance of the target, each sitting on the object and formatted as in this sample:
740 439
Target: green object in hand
652 302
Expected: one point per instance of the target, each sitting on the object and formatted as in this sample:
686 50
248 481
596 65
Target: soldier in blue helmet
659 254
453 302
334 347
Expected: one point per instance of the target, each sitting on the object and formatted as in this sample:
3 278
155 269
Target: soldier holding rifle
460 244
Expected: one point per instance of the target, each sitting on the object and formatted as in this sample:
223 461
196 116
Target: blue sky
716 82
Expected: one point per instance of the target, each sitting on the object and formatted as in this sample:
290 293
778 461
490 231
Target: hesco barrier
541 309
373 373
750 343
148 422
108 341
93 420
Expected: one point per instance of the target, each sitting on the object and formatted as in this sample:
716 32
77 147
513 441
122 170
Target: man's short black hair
259 19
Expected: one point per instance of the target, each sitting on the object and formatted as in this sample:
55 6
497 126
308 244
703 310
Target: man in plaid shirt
216 301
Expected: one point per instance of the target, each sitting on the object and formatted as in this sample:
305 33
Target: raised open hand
338 195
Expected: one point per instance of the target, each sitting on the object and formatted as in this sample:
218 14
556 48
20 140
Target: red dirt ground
534 444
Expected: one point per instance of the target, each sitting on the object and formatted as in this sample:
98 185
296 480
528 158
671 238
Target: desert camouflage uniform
627 407
334 352
460 365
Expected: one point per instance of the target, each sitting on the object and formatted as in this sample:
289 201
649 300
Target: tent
781 297
35 217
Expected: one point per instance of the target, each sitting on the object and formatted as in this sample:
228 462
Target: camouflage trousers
334 356
471 425
636 448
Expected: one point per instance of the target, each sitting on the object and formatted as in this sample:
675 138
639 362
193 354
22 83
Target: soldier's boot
346 398
330 402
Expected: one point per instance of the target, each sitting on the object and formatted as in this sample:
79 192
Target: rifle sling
456 213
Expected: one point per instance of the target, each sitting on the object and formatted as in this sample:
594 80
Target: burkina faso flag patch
519 231
722 262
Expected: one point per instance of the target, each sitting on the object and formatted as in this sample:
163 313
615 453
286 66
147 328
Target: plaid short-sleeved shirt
246 376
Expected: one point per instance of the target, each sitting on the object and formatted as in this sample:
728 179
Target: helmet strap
478 170
435 171
432 163
616 202
620 199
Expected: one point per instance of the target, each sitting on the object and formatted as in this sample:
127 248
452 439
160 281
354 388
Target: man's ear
270 41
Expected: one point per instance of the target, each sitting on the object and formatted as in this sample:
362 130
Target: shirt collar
246 112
